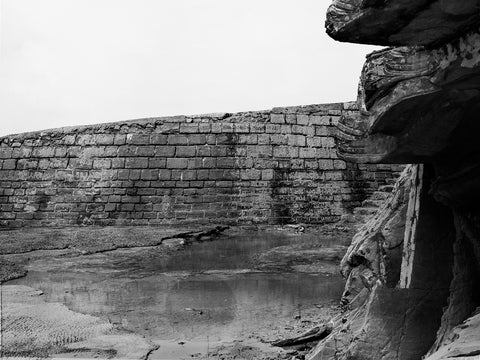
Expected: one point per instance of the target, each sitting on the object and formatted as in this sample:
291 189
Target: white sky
72 62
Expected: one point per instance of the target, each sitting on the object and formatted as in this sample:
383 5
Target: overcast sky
72 62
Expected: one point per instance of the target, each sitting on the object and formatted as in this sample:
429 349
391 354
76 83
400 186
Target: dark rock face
413 271
407 22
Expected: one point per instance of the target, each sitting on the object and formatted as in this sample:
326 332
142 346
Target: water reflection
177 299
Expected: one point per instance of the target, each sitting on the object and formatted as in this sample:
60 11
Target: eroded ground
167 293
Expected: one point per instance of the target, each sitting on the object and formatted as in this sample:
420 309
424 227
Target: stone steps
385 188
371 205
379 195
364 210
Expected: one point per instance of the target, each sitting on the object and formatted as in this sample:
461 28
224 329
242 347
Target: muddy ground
26 314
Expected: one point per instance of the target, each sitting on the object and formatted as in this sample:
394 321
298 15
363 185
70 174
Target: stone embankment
277 166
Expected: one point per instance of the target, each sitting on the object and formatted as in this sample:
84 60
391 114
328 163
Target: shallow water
203 294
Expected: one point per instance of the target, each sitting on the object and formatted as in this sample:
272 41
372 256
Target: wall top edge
152 121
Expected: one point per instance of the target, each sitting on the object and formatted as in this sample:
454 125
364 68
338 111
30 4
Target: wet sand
232 294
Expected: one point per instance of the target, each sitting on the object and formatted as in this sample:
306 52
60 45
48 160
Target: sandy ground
33 327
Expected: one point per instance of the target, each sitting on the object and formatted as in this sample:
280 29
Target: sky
75 62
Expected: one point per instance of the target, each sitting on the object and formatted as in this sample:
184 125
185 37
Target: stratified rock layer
418 104
406 22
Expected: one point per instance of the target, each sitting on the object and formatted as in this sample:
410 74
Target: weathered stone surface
371 252
391 324
418 104
463 343
407 22
398 271
414 102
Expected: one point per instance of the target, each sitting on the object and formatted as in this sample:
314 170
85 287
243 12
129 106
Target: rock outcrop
407 22
413 271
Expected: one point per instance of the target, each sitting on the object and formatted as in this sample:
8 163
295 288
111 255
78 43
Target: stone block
177 163
324 130
226 163
182 184
56 163
149 174
268 174
21 152
138 139
209 163
185 151
9 164
277 118
102 164
27 164
174 139
291 119
278 139
42 152
158 139
307 153
251 174
250 139
314 142
136 163
133 175
257 128
188 175
285 151
69 139
86 139
296 140
216 128
227 127
164 174
203 150
202 174
330 153
74 151
104 139
325 164
328 142
61 152
320 120
204 127
339 164
272 129
263 139
302 119
120 139
110 207
242 128
157 163
311 164
197 139
189 128
145 151
219 150
118 163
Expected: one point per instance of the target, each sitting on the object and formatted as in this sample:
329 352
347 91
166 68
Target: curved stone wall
277 166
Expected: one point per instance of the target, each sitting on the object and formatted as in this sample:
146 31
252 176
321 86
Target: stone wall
277 166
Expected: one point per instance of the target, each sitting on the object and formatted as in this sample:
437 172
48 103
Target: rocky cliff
413 288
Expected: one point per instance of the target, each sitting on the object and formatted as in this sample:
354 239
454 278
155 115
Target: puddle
202 296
